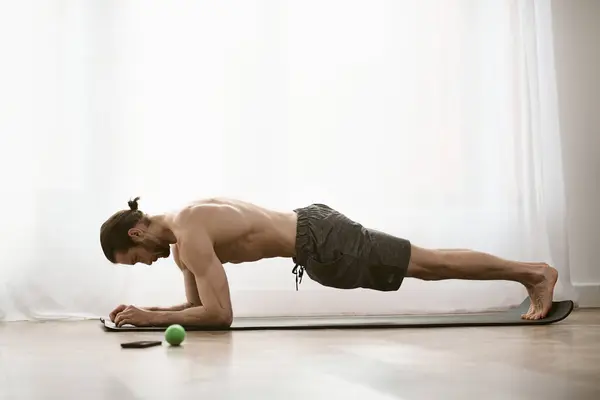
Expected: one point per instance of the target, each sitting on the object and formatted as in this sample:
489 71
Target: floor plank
63 360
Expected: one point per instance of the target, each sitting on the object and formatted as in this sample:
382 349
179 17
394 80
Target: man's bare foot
541 293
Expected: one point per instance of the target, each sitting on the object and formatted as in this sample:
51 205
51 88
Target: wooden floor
77 360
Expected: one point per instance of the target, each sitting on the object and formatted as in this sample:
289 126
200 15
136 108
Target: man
333 250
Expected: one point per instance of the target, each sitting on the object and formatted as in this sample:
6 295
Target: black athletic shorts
338 252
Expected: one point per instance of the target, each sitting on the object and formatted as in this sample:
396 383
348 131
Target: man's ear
136 234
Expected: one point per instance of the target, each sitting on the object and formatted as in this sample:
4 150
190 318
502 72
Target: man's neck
161 227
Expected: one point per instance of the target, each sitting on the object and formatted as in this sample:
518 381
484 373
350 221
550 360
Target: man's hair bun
133 204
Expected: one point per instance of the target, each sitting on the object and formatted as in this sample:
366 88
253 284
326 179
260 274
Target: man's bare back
239 231
334 250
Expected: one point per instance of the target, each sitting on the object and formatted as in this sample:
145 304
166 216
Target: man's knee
430 264
421 272
429 258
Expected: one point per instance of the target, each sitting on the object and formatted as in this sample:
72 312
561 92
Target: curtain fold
431 120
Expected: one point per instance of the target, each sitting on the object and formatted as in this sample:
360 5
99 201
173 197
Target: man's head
130 236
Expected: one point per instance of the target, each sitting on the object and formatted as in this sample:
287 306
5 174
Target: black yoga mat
560 310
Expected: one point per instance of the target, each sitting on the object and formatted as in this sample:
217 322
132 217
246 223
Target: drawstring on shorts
298 271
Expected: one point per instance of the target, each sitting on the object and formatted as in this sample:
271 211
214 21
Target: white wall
577 52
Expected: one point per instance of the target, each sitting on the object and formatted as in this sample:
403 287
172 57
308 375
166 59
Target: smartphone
142 344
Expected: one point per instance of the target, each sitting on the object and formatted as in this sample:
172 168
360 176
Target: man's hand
122 307
133 316
117 310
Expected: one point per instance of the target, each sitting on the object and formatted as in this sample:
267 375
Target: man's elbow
201 316
224 319
219 318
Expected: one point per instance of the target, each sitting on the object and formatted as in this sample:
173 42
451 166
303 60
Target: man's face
147 251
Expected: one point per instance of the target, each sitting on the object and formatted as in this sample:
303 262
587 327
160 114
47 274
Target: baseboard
588 294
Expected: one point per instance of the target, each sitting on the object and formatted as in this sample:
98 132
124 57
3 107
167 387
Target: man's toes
532 315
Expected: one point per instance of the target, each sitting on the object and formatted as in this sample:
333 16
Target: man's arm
198 255
191 293
191 288
178 307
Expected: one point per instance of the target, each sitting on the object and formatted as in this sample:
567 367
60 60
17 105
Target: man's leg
538 278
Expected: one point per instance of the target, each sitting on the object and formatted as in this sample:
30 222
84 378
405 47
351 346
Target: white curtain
431 120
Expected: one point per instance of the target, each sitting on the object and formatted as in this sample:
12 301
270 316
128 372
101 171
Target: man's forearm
193 316
179 307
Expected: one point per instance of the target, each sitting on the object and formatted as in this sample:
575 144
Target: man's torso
239 231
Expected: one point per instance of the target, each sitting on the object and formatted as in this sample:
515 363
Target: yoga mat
560 310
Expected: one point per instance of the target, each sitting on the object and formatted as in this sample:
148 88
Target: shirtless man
334 251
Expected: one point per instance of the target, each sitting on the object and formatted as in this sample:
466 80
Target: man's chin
164 254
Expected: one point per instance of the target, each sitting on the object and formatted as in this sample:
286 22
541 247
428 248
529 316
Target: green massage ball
175 334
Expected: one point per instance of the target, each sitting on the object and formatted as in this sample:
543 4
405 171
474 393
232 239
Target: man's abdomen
261 243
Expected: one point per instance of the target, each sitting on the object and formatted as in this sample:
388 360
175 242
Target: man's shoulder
202 209
208 215
192 228
191 218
